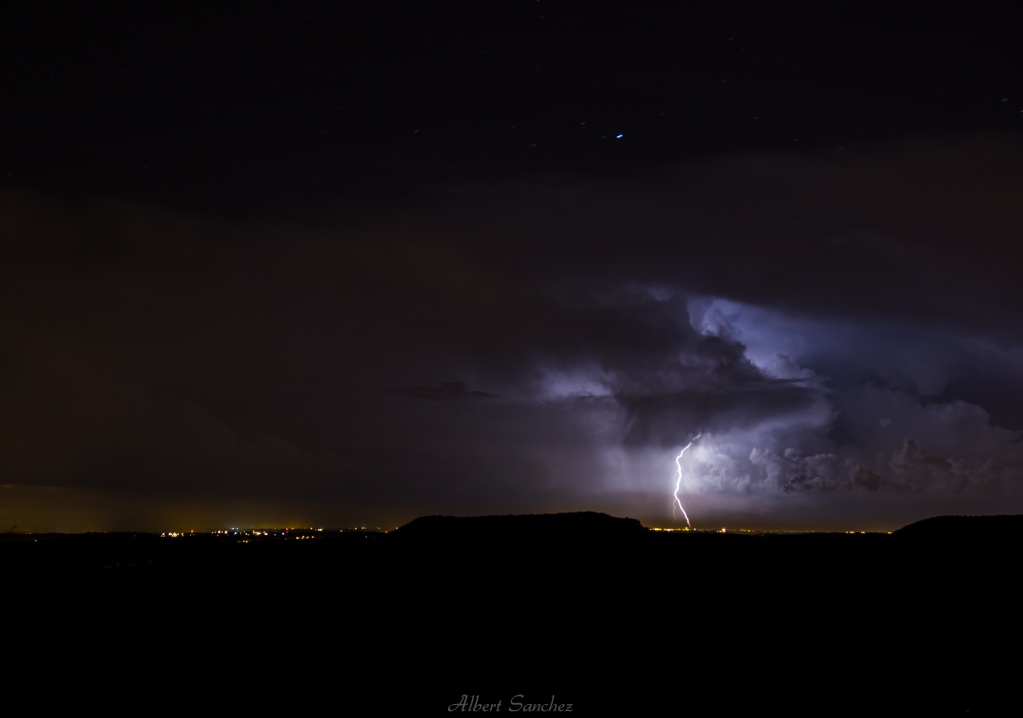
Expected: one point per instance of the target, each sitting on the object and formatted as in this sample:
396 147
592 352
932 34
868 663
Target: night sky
340 264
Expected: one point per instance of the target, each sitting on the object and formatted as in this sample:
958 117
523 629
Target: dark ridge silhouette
969 529
581 525
593 610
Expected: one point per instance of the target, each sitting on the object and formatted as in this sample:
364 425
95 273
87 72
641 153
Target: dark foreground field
517 614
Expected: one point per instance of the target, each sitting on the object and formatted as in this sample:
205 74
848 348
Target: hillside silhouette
596 610
947 529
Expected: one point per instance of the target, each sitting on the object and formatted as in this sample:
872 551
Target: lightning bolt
678 480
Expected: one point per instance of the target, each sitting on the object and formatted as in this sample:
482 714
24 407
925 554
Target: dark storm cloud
922 231
656 419
448 391
837 324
